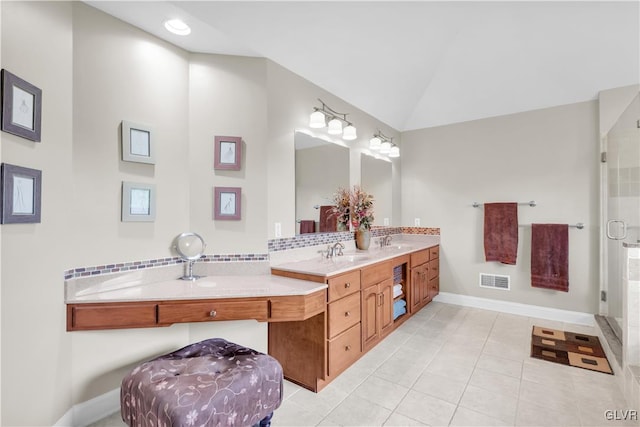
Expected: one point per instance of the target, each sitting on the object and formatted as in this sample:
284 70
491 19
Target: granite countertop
355 259
209 287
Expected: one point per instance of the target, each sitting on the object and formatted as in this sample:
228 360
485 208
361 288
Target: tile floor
455 366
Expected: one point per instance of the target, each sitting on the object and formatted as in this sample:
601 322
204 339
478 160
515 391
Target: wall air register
495 281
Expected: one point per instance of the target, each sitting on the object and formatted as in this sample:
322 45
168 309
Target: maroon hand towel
307 226
550 256
328 220
501 232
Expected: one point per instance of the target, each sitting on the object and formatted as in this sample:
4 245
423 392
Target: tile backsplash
160 262
274 245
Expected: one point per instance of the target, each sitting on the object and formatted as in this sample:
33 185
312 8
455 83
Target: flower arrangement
341 208
361 208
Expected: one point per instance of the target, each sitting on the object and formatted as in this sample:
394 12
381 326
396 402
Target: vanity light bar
318 118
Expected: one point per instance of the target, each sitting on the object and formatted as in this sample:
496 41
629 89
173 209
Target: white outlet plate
416 222
278 230
385 221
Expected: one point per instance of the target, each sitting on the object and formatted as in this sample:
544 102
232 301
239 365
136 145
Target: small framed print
21 107
137 143
227 153
21 194
226 203
138 202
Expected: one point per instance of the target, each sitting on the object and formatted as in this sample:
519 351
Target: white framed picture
137 143
138 202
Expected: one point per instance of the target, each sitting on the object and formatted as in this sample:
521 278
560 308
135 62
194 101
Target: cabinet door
424 285
415 297
386 306
434 287
369 316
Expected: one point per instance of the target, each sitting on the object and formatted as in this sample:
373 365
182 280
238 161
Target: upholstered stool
210 383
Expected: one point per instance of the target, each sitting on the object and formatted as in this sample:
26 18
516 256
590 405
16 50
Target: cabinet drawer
376 273
434 252
344 350
344 284
434 269
87 316
343 314
418 258
212 310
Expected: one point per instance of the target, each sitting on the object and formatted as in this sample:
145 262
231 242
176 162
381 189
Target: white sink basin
399 246
353 258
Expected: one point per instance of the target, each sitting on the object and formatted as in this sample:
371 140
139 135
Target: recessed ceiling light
176 26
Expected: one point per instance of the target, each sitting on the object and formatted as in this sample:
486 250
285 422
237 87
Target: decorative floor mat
569 348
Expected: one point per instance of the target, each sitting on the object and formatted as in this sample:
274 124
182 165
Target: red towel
307 226
328 220
550 256
501 232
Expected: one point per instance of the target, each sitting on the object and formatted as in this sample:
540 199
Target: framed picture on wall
21 107
137 143
227 153
138 202
226 204
21 194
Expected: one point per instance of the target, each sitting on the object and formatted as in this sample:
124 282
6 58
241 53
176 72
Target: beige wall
36 359
227 97
549 155
96 71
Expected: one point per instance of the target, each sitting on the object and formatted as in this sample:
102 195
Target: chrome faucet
335 250
386 240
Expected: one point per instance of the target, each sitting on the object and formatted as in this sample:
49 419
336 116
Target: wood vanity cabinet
359 314
424 277
314 351
434 272
377 303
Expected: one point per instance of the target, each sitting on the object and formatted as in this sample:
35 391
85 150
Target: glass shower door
623 205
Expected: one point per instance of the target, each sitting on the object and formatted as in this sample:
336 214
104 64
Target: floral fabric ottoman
210 383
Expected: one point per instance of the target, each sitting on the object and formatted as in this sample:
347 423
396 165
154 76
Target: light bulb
349 133
335 127
176 26
394 152
316 120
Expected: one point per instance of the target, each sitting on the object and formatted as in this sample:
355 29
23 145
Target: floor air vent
495 281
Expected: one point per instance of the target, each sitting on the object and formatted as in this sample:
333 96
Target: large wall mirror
376 179
321 168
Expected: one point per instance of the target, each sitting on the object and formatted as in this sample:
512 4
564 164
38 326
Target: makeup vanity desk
265 298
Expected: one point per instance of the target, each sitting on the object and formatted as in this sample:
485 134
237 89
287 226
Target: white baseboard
92 410
517 308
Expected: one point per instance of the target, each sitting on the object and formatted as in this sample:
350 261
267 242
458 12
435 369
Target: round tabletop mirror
190 247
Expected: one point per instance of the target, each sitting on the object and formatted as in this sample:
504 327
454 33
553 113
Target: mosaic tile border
160 262
430 231
274 245
313 239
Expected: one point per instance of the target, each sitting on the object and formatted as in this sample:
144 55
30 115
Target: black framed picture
21 194
21 107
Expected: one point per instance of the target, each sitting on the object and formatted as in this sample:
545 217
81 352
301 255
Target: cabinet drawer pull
213 313
347 285
347 348
347 313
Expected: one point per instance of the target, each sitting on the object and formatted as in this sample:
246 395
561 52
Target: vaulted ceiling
419 64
